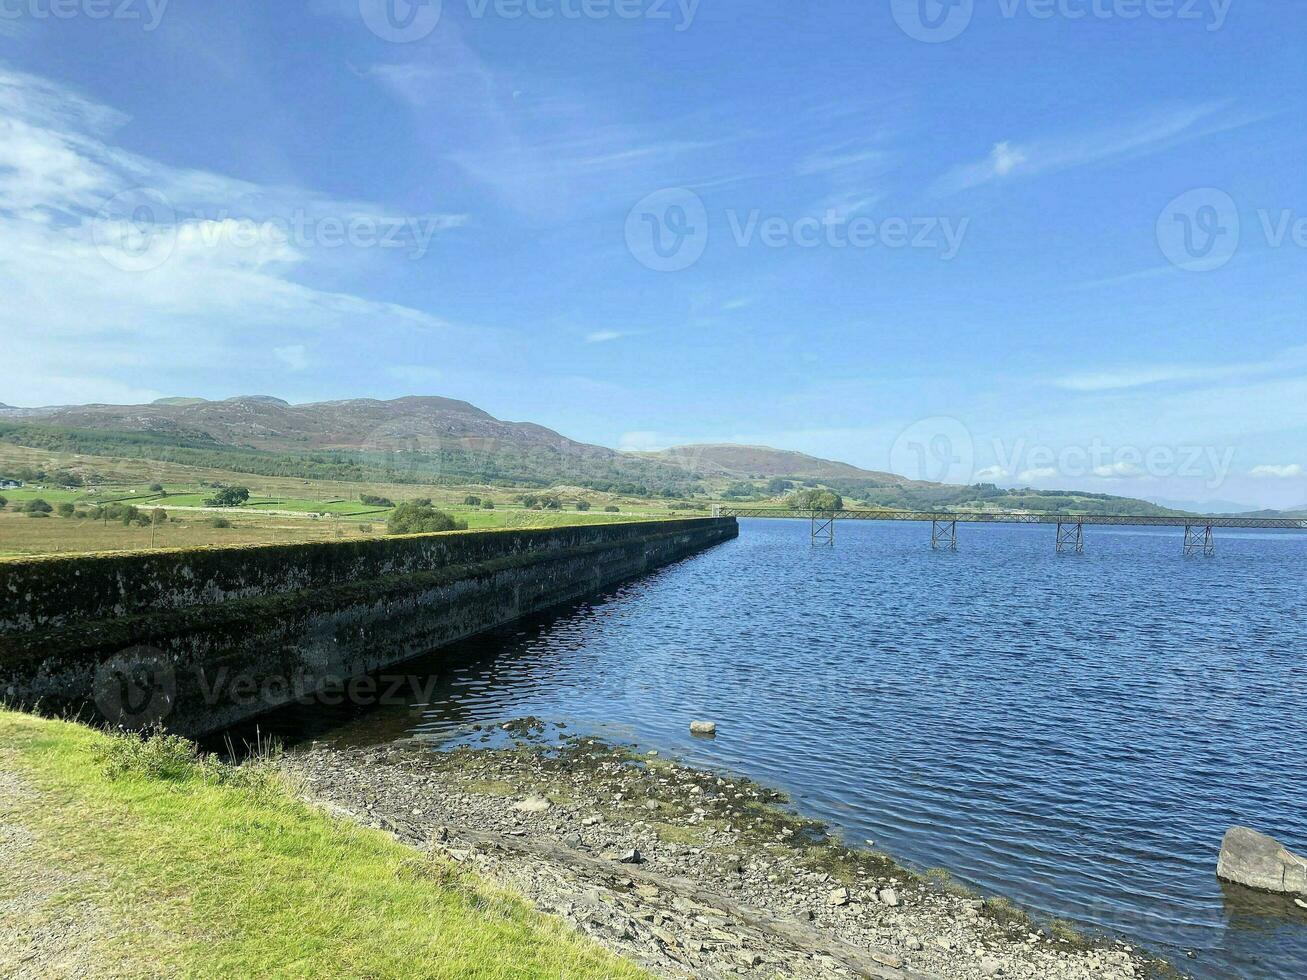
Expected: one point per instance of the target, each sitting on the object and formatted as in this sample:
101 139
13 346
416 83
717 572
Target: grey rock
840 896
1257 861
703 728
888 896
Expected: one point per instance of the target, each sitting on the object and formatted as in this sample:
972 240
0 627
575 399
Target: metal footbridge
1199 531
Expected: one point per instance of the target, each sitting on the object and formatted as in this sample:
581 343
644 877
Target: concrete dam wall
199 639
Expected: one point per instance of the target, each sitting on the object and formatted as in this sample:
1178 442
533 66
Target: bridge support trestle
1199 540
1070 538
823 529
944 534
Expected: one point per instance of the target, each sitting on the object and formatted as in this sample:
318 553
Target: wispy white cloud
1137 377
605 336
1157 130
96 294
1273 471
1292 360
541 151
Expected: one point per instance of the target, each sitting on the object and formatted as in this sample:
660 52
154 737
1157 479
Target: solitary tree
229 497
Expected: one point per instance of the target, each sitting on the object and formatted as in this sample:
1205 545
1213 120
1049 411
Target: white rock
703 728
532 804
840 896
888 896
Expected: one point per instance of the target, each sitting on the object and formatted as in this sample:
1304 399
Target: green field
279 509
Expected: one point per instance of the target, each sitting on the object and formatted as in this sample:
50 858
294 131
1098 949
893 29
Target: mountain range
428 439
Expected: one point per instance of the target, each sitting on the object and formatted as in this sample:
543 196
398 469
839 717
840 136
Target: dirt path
44 931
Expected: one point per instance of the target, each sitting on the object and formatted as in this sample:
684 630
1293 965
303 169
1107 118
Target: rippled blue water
1074 732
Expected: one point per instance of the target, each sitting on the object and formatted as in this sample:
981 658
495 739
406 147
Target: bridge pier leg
1199 540
944 534
1071 537
823 529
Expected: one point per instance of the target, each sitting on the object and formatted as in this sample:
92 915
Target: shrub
66 509
413 518
4 502
156 488
365 529
487 505
172 758
219 522
229 497
421 501
374 501
37 506
612 509
129 515
159 515
37 513
471 501
583 505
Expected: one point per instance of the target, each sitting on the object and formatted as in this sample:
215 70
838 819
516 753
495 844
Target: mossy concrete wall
200 639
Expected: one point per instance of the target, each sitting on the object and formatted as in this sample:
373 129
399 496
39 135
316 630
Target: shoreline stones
1255 860
722 880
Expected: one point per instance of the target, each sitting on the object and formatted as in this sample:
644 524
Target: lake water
1075 732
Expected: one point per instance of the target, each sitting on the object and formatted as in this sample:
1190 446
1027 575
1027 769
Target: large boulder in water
1257 861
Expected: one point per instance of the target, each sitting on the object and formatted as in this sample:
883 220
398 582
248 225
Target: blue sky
1048 242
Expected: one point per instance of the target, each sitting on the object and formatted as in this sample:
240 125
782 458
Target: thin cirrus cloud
1148 133
199 292
1273 471
608 336
541 152
1290 361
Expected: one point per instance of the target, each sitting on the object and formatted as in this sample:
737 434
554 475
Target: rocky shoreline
686 872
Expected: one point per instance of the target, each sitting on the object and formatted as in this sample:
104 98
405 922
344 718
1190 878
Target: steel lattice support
944 534
1070 537
823 529
1199 540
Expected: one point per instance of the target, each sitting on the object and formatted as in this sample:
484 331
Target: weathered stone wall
199 639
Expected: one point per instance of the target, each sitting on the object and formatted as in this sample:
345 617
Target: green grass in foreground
200 869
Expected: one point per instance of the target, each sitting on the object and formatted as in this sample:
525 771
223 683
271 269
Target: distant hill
437 440
763 463
1293 513
414 439
179 401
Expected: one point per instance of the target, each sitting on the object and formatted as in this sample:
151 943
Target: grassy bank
123 859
